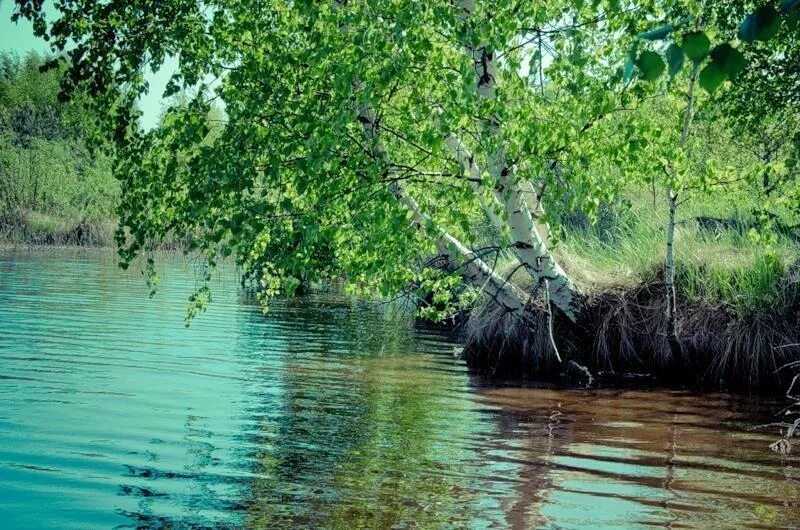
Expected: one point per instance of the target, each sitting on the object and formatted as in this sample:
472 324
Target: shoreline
55 230
620 337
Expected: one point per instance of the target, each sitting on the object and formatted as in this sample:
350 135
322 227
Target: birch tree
710 67
359 138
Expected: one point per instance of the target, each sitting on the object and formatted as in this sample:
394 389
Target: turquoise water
331 413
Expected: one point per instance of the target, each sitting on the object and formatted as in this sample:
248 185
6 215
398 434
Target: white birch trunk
669 266
528 241
532 197
672 198
476 270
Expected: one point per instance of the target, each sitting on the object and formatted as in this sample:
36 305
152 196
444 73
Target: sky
19 38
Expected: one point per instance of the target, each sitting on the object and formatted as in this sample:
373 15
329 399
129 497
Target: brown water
332 413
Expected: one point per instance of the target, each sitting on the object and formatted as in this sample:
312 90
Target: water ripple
331 413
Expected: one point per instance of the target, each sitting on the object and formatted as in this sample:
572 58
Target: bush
50 181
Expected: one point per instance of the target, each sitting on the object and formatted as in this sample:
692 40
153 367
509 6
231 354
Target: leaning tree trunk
475 269
528 241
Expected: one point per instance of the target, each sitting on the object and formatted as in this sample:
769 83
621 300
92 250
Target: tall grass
55 176
715 267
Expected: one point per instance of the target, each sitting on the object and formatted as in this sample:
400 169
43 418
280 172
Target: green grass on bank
30 227
747 268
52 191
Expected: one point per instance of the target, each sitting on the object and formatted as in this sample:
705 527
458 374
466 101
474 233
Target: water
329 413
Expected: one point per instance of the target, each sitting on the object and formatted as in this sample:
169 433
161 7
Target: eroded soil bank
621 337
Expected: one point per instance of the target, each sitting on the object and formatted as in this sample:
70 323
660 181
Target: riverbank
56 180
28 228
621 336
738 330
32 228
738 302
738 309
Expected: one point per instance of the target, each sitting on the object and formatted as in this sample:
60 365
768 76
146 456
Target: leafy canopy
285 180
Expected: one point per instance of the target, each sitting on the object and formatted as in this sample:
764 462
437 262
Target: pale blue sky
19 38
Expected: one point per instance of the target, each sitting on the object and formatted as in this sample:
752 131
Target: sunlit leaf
650 65
695 45
761 25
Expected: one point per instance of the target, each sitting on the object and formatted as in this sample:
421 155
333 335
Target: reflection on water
328 413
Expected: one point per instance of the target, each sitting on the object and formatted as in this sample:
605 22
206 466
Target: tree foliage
359 139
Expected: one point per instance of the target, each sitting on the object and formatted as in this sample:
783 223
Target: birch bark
672 199
528 242
476 270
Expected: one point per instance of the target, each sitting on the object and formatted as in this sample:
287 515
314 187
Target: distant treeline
56 185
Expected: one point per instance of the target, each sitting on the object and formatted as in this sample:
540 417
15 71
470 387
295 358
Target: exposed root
581 373
625 332
782 446
550 320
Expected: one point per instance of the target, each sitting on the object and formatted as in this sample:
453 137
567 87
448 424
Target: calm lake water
332 413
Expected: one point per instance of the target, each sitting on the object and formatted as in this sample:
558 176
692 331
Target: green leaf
657 34
761 25
171 89
712 77
675 59
789 5
695 45
793 19
650 65
729 59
